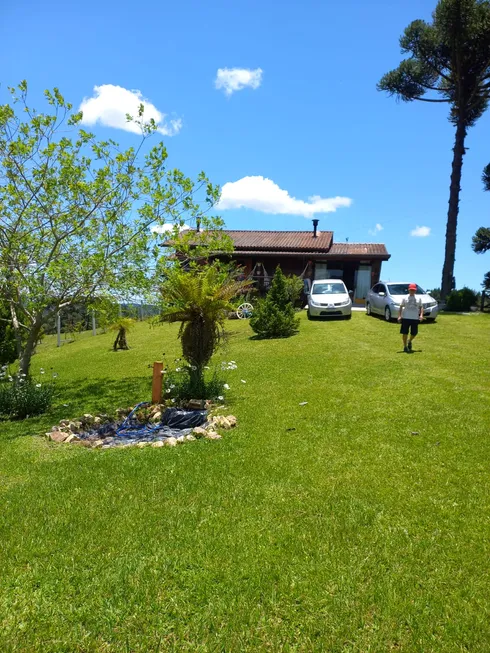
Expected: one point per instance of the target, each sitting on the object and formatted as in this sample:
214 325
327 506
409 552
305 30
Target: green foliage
22 397
481 240
461 300
274 316
448 60
294 288
79 211
486 281
182 384
8 345
200 299
436 293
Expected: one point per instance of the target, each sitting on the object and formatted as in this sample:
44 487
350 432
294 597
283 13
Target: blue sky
314 125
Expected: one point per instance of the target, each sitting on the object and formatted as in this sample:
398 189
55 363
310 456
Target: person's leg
414 329
404 332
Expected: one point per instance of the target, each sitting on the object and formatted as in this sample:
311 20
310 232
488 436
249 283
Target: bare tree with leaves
448 62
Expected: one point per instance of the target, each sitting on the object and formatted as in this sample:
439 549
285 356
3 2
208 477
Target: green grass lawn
358 522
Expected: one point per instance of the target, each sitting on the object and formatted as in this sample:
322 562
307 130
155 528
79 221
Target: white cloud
262 194
110 104
421 232
235 79
166 228
376 229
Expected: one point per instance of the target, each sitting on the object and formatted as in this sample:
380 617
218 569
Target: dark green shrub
22 397
274 316
461 300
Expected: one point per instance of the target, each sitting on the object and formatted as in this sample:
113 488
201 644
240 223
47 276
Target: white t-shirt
411 307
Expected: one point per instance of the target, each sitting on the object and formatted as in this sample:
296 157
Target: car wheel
348 317
388 314
368 309
308 315
430 319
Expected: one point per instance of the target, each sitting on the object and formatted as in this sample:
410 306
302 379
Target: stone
156 444
212 435
86 443
195 404
232 420
141 445
170 442
72 438
64 422
75 426
87 419
156 417
57 436
181 439
97 421
97 444
199 432
190 438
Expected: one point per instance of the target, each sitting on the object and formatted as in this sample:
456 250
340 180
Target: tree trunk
120 341
30 346
16 325
453 210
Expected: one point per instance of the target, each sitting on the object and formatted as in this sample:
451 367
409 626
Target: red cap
412 286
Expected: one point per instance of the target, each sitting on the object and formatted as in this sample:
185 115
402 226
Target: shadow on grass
72 400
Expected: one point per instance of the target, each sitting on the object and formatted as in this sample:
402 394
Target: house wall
302 266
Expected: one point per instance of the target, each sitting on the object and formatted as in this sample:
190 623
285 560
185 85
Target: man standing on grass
410 313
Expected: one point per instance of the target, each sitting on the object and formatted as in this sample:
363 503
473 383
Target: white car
385 297
329 298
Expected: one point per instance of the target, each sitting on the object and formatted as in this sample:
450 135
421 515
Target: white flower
66 405
243 380
173 401
41 371
55 375
168 391
226 386
172 386
193 367
10 378
21 380
220 398
178 369
23 375
38 385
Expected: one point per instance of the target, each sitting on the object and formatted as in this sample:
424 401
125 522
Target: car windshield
402 289
328 289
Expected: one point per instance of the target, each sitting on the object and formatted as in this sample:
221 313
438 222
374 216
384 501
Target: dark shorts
411 326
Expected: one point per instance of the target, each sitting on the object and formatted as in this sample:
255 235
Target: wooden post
156 387
58 329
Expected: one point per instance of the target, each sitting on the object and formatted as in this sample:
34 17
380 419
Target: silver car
385 297
329 298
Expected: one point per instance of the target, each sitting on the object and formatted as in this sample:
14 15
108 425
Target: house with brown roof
309 254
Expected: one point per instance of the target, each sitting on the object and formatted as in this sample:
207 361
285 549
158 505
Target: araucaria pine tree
448 61
274 316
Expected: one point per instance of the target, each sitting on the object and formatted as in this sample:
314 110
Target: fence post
94 324
58 329
156 386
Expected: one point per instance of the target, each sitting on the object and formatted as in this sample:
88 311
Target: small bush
461 300
22 397
294 289
183 385
274 316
